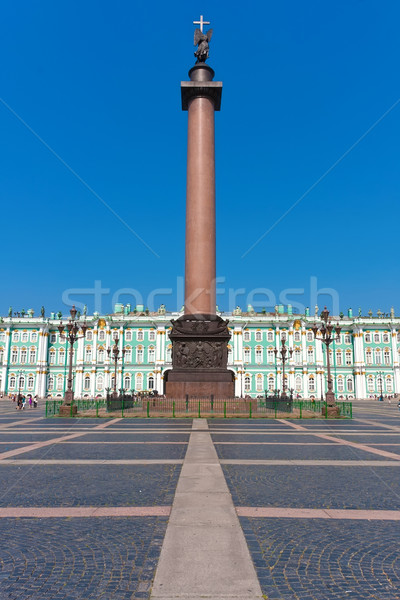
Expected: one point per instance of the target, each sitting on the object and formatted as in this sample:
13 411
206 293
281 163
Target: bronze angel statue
201 40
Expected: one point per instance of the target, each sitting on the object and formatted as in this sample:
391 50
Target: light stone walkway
204 554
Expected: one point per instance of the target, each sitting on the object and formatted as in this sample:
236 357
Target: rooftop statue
201 40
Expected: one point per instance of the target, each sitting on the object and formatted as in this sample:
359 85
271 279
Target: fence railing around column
210 407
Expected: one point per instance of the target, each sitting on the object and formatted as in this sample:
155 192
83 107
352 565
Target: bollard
148 408
173 409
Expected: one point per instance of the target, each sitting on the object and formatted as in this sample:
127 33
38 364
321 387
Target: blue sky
99 83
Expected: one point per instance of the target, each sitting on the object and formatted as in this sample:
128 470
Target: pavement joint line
364 447
204 553
311 462
92 461
42 444
383 425
317 513
83 511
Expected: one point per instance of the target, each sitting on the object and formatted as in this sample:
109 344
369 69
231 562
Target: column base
66 410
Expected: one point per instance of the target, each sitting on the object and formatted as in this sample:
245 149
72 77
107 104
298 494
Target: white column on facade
319 360
395 362
359 364
4 370
304 361
79 366
290 344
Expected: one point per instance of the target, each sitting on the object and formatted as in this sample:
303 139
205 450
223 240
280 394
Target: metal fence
201 407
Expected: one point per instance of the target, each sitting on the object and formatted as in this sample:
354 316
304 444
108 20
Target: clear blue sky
99 82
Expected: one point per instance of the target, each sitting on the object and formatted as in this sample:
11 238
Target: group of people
22 400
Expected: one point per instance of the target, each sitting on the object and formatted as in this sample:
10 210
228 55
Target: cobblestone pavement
297 556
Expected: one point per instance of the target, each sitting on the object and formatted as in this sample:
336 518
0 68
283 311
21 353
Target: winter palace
365 360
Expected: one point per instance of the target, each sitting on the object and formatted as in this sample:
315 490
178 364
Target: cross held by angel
201 40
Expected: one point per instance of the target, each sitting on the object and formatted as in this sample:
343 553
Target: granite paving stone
318 560
81 485
314 486
281 451
63 559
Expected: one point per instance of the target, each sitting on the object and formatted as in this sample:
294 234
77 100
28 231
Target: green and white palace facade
365 361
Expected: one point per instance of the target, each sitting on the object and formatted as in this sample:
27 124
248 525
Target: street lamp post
115 355
72 335
380 380
19 386
283 356
328 333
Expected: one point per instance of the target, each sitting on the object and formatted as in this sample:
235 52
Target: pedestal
199 358
66 410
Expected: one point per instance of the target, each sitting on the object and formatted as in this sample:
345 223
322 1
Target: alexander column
199 338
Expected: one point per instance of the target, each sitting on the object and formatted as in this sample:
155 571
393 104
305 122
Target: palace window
53 338
230 355
12 382
168 353
30 382
150 382
62 338
115 334
311 384
297 336
50 384
370 383
347 339
60 383
385 338
349 384
270 355
139 382
297 356
398 336
270 336
100 383
386 356
310 336
52 357
139 354
151 353
298 383
140 335
88 354
246 336
368 356
15 336
32 356
1 355
101 335
340 385
258 355
376 338
14 355
246 355
349 358
152 336
247 383
127 382
310 355
100 355
378 356
86 383
128 355
61 357
24 336
338 339
259 383
21 382
339 358
368 338
34 336
389 384
89 335
271 383
24 355
258 336
2 337
128 335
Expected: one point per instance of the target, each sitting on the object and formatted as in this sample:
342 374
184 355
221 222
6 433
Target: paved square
84 507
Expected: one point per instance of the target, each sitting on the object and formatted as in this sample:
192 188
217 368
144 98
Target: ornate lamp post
72 335
283 356
328 333
115 356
